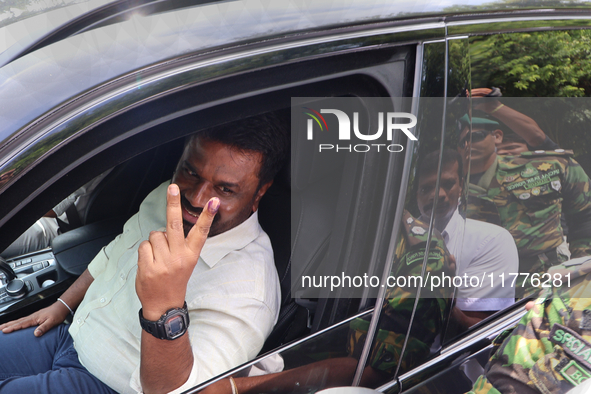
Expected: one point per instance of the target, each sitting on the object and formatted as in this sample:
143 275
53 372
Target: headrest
308 164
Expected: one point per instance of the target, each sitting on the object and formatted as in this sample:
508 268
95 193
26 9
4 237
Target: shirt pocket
539 197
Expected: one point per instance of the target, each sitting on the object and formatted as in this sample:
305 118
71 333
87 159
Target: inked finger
174 218
200 230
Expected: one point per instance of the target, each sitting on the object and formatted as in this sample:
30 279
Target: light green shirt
233 298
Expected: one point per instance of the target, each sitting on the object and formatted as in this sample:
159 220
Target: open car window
142 155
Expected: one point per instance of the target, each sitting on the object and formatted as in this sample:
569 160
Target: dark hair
429 163
265 134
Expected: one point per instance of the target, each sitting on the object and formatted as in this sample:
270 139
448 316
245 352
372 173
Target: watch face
175 327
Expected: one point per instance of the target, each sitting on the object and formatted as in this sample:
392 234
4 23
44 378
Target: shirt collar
452 226
218 246
153 217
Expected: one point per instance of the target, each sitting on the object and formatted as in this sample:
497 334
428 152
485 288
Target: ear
498 136
259 195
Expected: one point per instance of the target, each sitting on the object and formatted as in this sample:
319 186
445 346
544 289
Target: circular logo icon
416 230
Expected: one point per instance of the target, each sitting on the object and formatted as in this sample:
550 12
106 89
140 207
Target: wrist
155 312
64 304
496 108
170 325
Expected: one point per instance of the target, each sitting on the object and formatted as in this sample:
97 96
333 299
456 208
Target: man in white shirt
479 248
40 234
204 309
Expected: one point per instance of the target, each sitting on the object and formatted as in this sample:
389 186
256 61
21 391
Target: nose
442 194
199 194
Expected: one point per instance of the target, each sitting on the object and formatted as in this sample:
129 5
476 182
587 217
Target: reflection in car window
525 144
522 173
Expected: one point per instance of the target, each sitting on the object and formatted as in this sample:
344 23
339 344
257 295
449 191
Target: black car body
122 85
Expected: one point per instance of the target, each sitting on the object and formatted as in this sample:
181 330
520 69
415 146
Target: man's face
212 169
480 149
450 188
511 148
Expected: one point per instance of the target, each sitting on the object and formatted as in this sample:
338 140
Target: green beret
483 122
479 121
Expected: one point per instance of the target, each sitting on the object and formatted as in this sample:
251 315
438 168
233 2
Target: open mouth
190 213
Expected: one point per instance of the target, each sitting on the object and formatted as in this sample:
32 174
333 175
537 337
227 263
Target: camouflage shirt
398 306
549 351
526 194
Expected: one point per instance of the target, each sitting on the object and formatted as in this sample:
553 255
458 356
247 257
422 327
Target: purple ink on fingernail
213 205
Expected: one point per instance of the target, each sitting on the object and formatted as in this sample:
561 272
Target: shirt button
122 276
78 321
102 300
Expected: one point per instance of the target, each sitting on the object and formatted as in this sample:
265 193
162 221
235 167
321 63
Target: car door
136 118
492 54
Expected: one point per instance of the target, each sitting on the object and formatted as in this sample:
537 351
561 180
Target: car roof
45 79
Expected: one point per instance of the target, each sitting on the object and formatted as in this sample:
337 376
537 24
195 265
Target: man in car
226 291
527 194
479 248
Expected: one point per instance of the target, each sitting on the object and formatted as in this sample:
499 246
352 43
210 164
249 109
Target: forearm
466 319
521 124
75 293
165 365
321 374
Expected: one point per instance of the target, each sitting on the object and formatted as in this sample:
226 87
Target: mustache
189 207
196 210
429 206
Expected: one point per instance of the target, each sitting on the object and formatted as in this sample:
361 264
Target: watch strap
158 328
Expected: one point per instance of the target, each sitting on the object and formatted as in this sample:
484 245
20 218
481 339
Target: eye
190 172
447 185
226 190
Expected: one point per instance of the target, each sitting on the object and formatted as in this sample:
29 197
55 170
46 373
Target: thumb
43 328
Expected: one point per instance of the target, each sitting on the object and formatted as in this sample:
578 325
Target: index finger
200 230
174 218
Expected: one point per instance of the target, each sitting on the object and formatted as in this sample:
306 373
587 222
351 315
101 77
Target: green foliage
552 65
537 64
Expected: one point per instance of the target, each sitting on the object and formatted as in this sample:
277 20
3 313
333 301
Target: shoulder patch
574 345
556 152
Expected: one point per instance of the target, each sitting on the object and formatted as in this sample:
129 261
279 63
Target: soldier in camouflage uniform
526 194
549 351
399 303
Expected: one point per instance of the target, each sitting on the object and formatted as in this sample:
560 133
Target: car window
355 181
415 311
518 121
338 228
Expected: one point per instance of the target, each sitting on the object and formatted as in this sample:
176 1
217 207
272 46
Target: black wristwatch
172 325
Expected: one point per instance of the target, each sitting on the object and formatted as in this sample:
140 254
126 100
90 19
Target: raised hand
166 261
487 105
